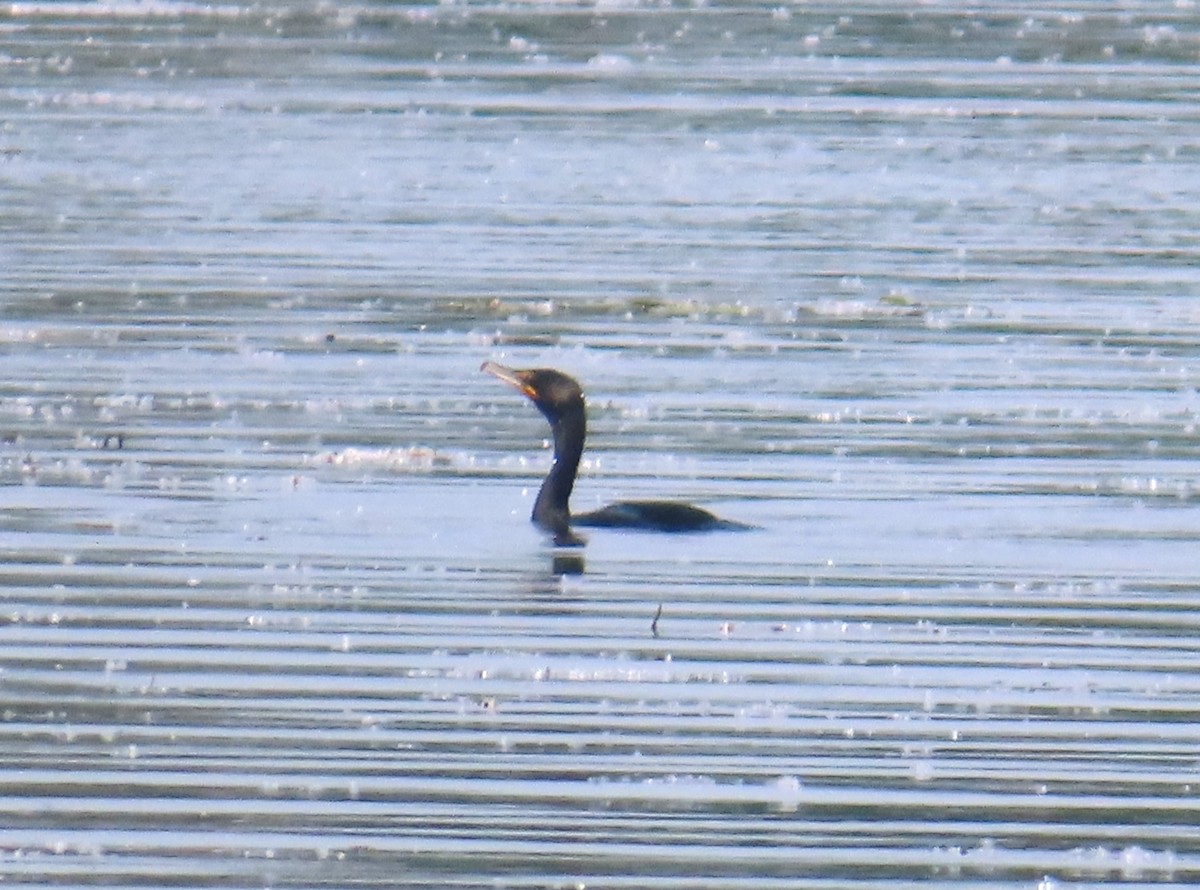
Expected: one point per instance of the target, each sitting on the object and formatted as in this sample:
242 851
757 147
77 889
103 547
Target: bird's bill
510 376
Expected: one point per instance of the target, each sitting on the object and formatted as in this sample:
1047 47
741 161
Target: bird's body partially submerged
659 516
560 399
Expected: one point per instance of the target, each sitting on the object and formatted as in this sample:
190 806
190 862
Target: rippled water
912 291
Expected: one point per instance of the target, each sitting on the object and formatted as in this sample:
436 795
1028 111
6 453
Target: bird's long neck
551 510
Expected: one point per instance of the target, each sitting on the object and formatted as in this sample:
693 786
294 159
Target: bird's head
554 393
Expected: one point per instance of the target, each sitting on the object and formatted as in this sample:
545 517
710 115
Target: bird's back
662 516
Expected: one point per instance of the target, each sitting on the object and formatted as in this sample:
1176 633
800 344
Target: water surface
913 292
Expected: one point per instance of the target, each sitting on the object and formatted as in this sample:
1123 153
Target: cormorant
560 399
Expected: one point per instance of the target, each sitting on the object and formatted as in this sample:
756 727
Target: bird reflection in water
566 563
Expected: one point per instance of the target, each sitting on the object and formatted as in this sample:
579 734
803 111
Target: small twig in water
654 623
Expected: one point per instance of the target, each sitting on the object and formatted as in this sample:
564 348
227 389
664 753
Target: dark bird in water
560 399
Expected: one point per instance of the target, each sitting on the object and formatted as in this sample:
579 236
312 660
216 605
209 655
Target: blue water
913 292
